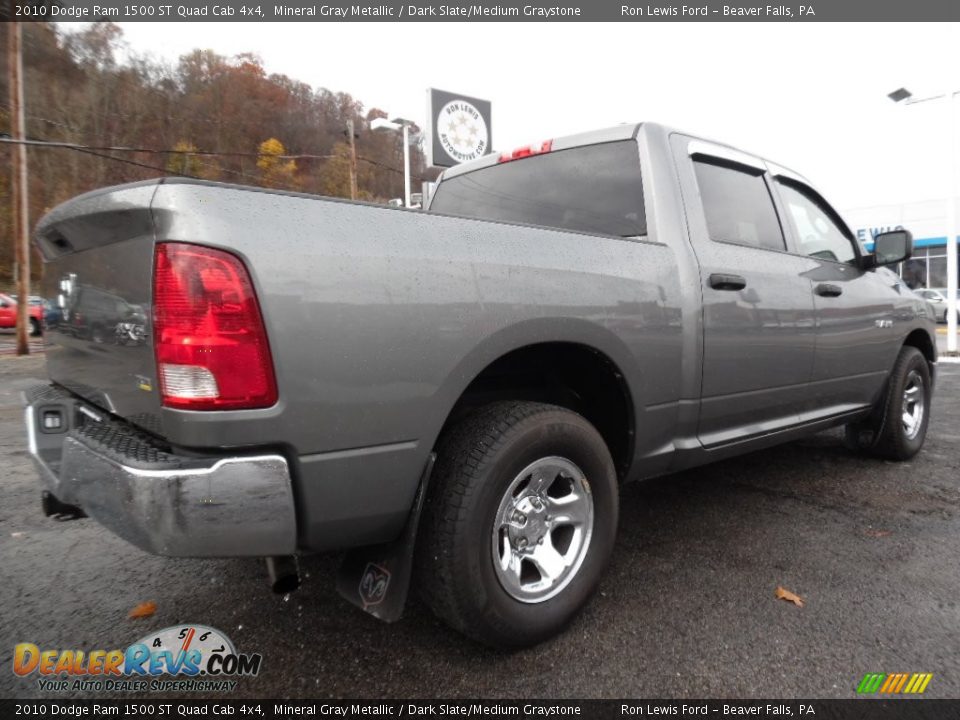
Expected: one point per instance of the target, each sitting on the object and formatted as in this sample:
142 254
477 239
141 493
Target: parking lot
687 608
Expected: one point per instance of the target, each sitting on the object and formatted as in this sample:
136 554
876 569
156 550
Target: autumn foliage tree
184 161
88 87
275 171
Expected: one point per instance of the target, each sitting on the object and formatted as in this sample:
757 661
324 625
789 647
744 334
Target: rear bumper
163 502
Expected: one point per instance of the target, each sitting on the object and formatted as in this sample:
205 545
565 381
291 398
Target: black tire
35 329
478 461
885 433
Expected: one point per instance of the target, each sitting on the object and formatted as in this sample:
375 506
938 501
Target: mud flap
377 578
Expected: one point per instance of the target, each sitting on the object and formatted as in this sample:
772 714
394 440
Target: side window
818 232
738 206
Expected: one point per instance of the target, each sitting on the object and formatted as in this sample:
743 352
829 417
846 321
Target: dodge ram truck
454 396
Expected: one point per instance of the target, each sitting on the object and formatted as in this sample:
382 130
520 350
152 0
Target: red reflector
209 339
545 147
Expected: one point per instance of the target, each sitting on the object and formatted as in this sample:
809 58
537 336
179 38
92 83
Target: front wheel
519 523
899 426
35 329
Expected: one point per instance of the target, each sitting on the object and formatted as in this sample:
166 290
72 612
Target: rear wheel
34 327
519 523
898 426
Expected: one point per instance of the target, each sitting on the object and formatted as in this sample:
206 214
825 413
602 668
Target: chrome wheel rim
542 529
914 405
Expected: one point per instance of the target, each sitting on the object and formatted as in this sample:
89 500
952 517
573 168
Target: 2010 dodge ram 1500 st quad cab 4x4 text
455 395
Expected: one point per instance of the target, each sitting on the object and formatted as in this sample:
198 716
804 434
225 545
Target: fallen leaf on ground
16 534
877 533
783 594
144 609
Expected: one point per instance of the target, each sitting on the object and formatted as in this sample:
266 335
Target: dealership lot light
906 97
403 126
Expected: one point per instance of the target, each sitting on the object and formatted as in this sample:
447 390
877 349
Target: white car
937 297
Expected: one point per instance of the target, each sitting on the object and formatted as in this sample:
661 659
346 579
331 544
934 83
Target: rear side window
738 206
594 189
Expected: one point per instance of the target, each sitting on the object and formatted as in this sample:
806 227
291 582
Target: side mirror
892 247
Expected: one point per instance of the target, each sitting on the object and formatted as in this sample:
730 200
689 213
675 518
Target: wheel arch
575 364
920 339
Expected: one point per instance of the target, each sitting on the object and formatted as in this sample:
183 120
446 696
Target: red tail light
210 343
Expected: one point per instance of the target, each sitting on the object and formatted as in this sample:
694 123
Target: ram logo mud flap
373 585
377 578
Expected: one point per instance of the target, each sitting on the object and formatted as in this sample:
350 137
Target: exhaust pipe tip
284 573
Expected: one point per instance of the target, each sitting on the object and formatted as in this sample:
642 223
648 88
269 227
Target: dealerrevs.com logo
178 658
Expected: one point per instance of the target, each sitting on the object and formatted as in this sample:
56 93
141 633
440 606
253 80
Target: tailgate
98 251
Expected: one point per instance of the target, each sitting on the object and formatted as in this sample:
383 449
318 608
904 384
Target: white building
927 221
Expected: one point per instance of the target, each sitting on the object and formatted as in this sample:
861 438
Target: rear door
857 310
758 313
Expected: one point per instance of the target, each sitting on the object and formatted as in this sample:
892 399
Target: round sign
462 131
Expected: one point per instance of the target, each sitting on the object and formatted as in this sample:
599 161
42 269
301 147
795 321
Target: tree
88 87
336 173
183 163
275 172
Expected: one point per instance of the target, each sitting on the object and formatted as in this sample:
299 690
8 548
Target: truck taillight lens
210 342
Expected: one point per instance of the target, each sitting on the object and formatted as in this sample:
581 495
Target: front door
857 314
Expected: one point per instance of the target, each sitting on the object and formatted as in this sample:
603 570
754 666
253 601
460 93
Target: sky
808 96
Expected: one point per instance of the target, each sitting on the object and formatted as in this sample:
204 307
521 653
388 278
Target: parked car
93 314
52 314
8 314
456 395
937 297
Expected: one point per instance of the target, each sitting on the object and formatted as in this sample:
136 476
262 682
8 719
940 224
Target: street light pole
406 164
953 232
403 126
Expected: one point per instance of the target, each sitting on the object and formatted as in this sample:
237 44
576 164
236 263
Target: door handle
723 281
828 290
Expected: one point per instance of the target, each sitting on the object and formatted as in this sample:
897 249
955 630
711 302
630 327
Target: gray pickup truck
454 396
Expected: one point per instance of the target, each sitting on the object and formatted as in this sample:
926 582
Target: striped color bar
894 683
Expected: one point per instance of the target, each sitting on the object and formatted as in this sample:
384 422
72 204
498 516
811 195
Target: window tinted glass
817 232
594 189
738 206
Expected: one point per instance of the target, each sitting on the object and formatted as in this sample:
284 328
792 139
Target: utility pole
353 159
21 221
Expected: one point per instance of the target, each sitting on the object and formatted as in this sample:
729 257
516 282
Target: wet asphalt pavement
687 608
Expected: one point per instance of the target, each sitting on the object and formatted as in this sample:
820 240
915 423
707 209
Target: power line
210 153
93 151
133 162
166 151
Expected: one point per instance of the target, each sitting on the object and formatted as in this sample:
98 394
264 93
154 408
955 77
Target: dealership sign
926 219
458 128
